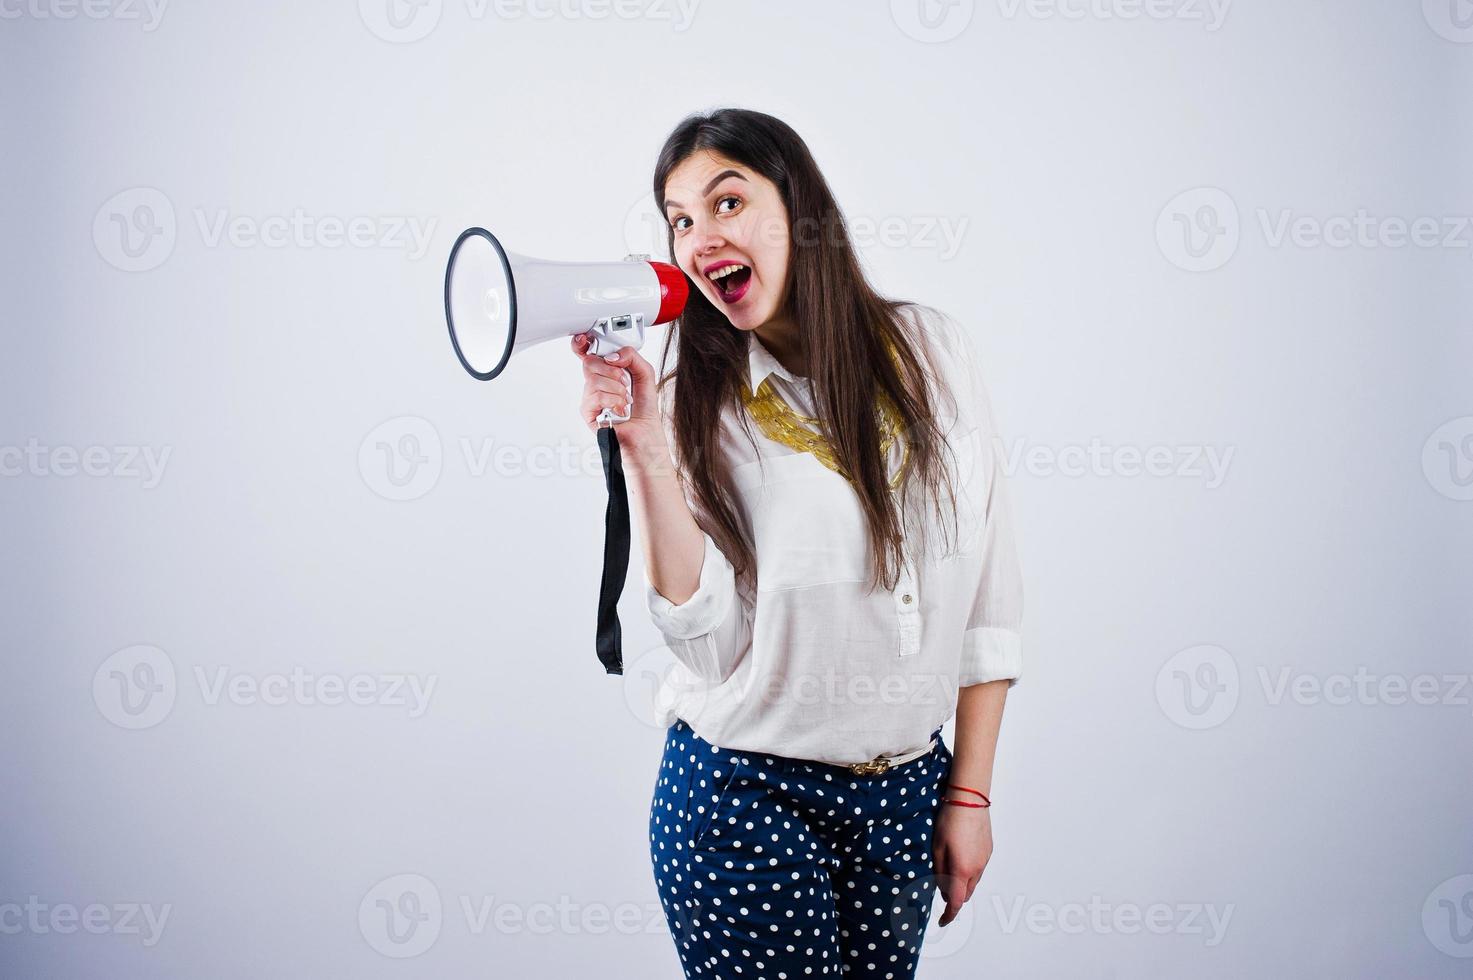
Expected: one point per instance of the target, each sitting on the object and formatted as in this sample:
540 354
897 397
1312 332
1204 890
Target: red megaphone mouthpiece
674 291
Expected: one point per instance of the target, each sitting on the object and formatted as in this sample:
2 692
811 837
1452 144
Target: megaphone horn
498 302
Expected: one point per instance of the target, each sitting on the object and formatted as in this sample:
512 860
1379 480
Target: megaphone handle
608 417
608 335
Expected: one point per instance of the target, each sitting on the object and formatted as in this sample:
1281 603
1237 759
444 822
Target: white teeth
724 271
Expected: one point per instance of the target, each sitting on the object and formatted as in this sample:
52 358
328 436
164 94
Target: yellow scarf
781 423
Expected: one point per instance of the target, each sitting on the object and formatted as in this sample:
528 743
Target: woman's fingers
593 397
595 401
955 888
605 385
595 366
601 382
621 380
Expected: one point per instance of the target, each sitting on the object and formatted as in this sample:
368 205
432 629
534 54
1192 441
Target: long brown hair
840 318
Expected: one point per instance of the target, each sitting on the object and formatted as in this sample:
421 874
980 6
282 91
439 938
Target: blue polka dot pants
772 868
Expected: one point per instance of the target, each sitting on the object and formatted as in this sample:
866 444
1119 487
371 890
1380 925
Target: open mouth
731 281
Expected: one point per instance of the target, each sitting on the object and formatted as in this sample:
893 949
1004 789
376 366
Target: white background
324 502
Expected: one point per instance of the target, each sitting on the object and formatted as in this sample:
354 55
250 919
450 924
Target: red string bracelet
970 790
961 803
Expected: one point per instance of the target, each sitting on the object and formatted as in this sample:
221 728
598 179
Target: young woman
829 556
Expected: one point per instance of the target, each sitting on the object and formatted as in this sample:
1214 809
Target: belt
880 763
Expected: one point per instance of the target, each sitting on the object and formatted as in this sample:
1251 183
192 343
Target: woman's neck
782 341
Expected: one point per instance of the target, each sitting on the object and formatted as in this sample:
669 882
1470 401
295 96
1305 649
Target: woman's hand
613 384
961 847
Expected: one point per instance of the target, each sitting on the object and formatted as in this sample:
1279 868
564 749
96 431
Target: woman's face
725 216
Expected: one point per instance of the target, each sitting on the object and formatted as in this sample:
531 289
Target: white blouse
811 666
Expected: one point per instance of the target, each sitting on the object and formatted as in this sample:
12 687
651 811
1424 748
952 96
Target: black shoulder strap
616 553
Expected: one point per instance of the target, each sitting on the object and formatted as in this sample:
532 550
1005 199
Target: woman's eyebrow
713 182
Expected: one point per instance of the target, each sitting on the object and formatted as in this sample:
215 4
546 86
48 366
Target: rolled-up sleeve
992 647
711 630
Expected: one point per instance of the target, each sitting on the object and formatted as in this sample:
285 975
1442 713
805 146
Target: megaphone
498 302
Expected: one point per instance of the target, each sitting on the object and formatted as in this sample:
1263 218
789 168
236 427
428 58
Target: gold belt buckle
873 767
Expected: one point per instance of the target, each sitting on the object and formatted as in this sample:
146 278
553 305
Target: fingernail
611 357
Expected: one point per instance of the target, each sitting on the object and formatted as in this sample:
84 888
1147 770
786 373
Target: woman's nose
707 239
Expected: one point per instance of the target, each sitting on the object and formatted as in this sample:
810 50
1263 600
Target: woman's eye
735 201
